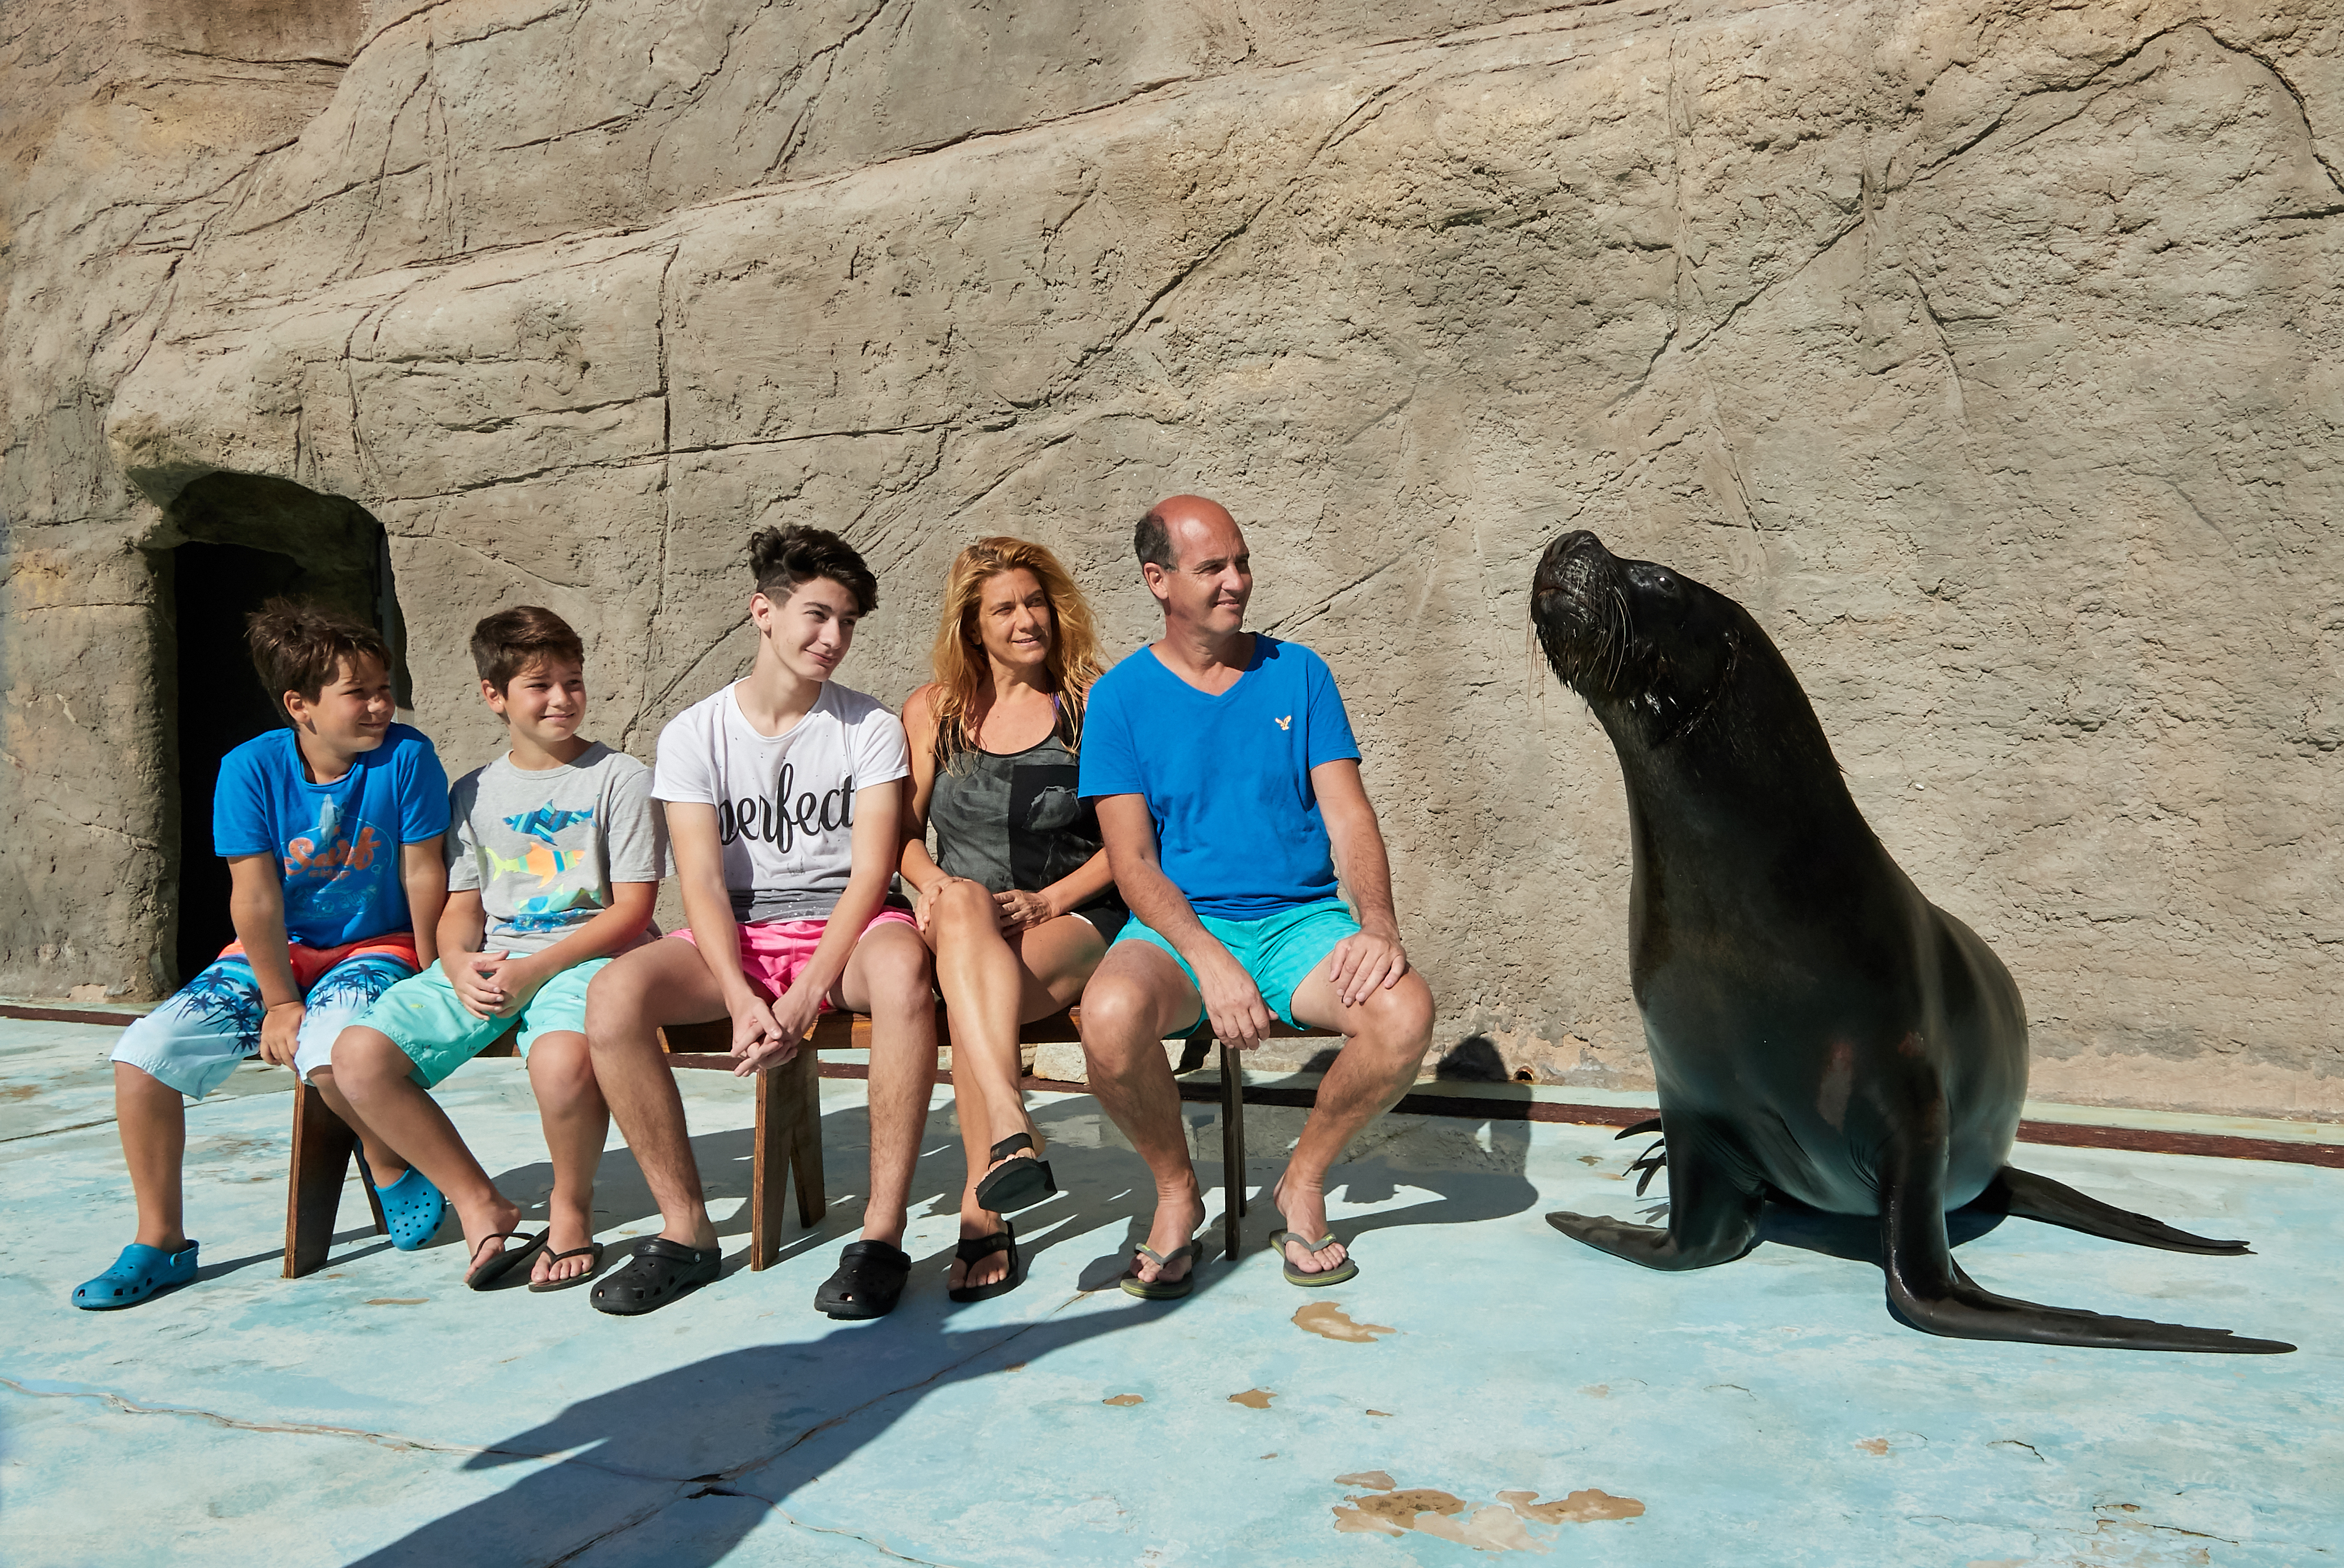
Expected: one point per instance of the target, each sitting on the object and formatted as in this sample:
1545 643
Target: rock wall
1989 352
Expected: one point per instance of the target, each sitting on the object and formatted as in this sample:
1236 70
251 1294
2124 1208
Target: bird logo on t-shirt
1286 722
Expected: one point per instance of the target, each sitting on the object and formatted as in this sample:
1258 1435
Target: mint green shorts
1277 950
425 1018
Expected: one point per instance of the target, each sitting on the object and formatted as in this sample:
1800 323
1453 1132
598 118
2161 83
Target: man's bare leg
569 1104
1386 1039
152 1118
661 982
889 977
1139 996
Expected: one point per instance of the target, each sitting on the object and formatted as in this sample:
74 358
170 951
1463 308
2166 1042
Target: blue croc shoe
140 1273
411 1207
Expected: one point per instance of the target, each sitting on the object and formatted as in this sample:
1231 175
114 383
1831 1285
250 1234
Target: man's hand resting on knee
1363 964
1233 1003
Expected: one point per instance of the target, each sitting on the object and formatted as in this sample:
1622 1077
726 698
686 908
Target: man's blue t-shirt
1227 778
337 844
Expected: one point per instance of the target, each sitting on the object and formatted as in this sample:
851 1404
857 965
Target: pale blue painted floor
1768 1412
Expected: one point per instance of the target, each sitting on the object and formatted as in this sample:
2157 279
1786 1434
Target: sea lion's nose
1570 562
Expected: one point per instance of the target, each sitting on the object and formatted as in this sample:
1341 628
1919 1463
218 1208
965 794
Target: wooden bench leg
322 1145
788 1141
1233 1150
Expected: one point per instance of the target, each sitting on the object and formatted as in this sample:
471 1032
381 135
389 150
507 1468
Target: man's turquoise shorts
1277 950
425 1018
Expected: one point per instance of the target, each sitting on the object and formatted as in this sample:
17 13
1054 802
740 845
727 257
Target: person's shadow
737 1433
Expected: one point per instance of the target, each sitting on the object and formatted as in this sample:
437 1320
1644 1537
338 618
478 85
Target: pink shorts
773 954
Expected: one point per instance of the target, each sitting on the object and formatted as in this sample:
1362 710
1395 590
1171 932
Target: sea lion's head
1645 646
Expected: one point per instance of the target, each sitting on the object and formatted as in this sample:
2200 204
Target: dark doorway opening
247 539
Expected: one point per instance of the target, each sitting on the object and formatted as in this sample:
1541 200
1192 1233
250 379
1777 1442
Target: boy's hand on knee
474 977
280 1032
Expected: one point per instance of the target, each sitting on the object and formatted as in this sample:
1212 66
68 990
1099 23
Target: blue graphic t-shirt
336 844
1227 778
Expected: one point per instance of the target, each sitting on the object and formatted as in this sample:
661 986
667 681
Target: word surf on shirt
781 824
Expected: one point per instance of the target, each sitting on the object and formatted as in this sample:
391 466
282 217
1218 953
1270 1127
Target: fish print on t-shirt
549 907
315 864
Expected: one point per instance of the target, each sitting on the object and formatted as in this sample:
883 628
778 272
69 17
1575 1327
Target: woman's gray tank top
1018 820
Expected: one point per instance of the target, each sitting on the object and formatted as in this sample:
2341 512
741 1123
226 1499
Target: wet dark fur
1820 1030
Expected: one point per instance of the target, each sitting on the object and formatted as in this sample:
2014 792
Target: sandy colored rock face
1991 358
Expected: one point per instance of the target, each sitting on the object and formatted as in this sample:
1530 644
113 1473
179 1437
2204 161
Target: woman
1017 901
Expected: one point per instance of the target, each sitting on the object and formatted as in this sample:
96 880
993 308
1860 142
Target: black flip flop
659 1272
591 1249
1014 1183
869 1281
975 1250
488 1273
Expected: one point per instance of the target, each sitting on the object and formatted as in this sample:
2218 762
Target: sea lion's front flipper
2027 1196
1711 1218
1928 1289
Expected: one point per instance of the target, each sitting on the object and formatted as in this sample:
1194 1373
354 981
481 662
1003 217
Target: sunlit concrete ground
1485 1386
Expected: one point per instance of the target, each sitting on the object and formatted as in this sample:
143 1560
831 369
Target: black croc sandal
1016 1183
974 1249
869 1281
659 1272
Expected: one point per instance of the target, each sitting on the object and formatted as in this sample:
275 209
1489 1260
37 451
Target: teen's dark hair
301 646
510 640
1152 542
785 557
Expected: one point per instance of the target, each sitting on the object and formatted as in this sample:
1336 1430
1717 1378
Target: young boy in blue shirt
554 857
331 831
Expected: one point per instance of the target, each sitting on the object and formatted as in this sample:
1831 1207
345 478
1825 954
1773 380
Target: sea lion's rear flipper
1928 1289
1713 1218
2023 1195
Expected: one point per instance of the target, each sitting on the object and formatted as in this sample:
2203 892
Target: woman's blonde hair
959 660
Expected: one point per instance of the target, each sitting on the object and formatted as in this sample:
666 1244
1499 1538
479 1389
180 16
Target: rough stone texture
1988 352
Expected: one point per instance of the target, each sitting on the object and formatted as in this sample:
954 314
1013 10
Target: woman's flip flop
1346 1270
1160 1288
488 1270
973 1250
1016 1183
591 1249
659 1272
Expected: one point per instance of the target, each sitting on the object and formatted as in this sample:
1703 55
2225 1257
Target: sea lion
1820 1032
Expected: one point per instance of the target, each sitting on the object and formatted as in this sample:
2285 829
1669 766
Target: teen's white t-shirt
784 803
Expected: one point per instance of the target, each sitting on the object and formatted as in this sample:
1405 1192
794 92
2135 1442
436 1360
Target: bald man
1228 795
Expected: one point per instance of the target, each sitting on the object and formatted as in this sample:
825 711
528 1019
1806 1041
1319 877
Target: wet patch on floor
1124 1400
1330 1320
1387 1509
1253 1398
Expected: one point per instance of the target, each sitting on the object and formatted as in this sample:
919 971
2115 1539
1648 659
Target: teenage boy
331 833
1228 795
554 857
785 795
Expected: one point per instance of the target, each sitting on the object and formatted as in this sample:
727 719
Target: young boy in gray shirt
555 855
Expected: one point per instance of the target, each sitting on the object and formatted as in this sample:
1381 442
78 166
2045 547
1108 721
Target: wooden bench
788 1136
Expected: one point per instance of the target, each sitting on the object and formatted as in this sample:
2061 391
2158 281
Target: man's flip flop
489 1270
1016 1183
1346 1270
1160 1288
973 1250
869 1281
140 1274
659 1272
591 1249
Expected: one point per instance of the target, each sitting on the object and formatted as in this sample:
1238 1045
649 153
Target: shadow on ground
755 1424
